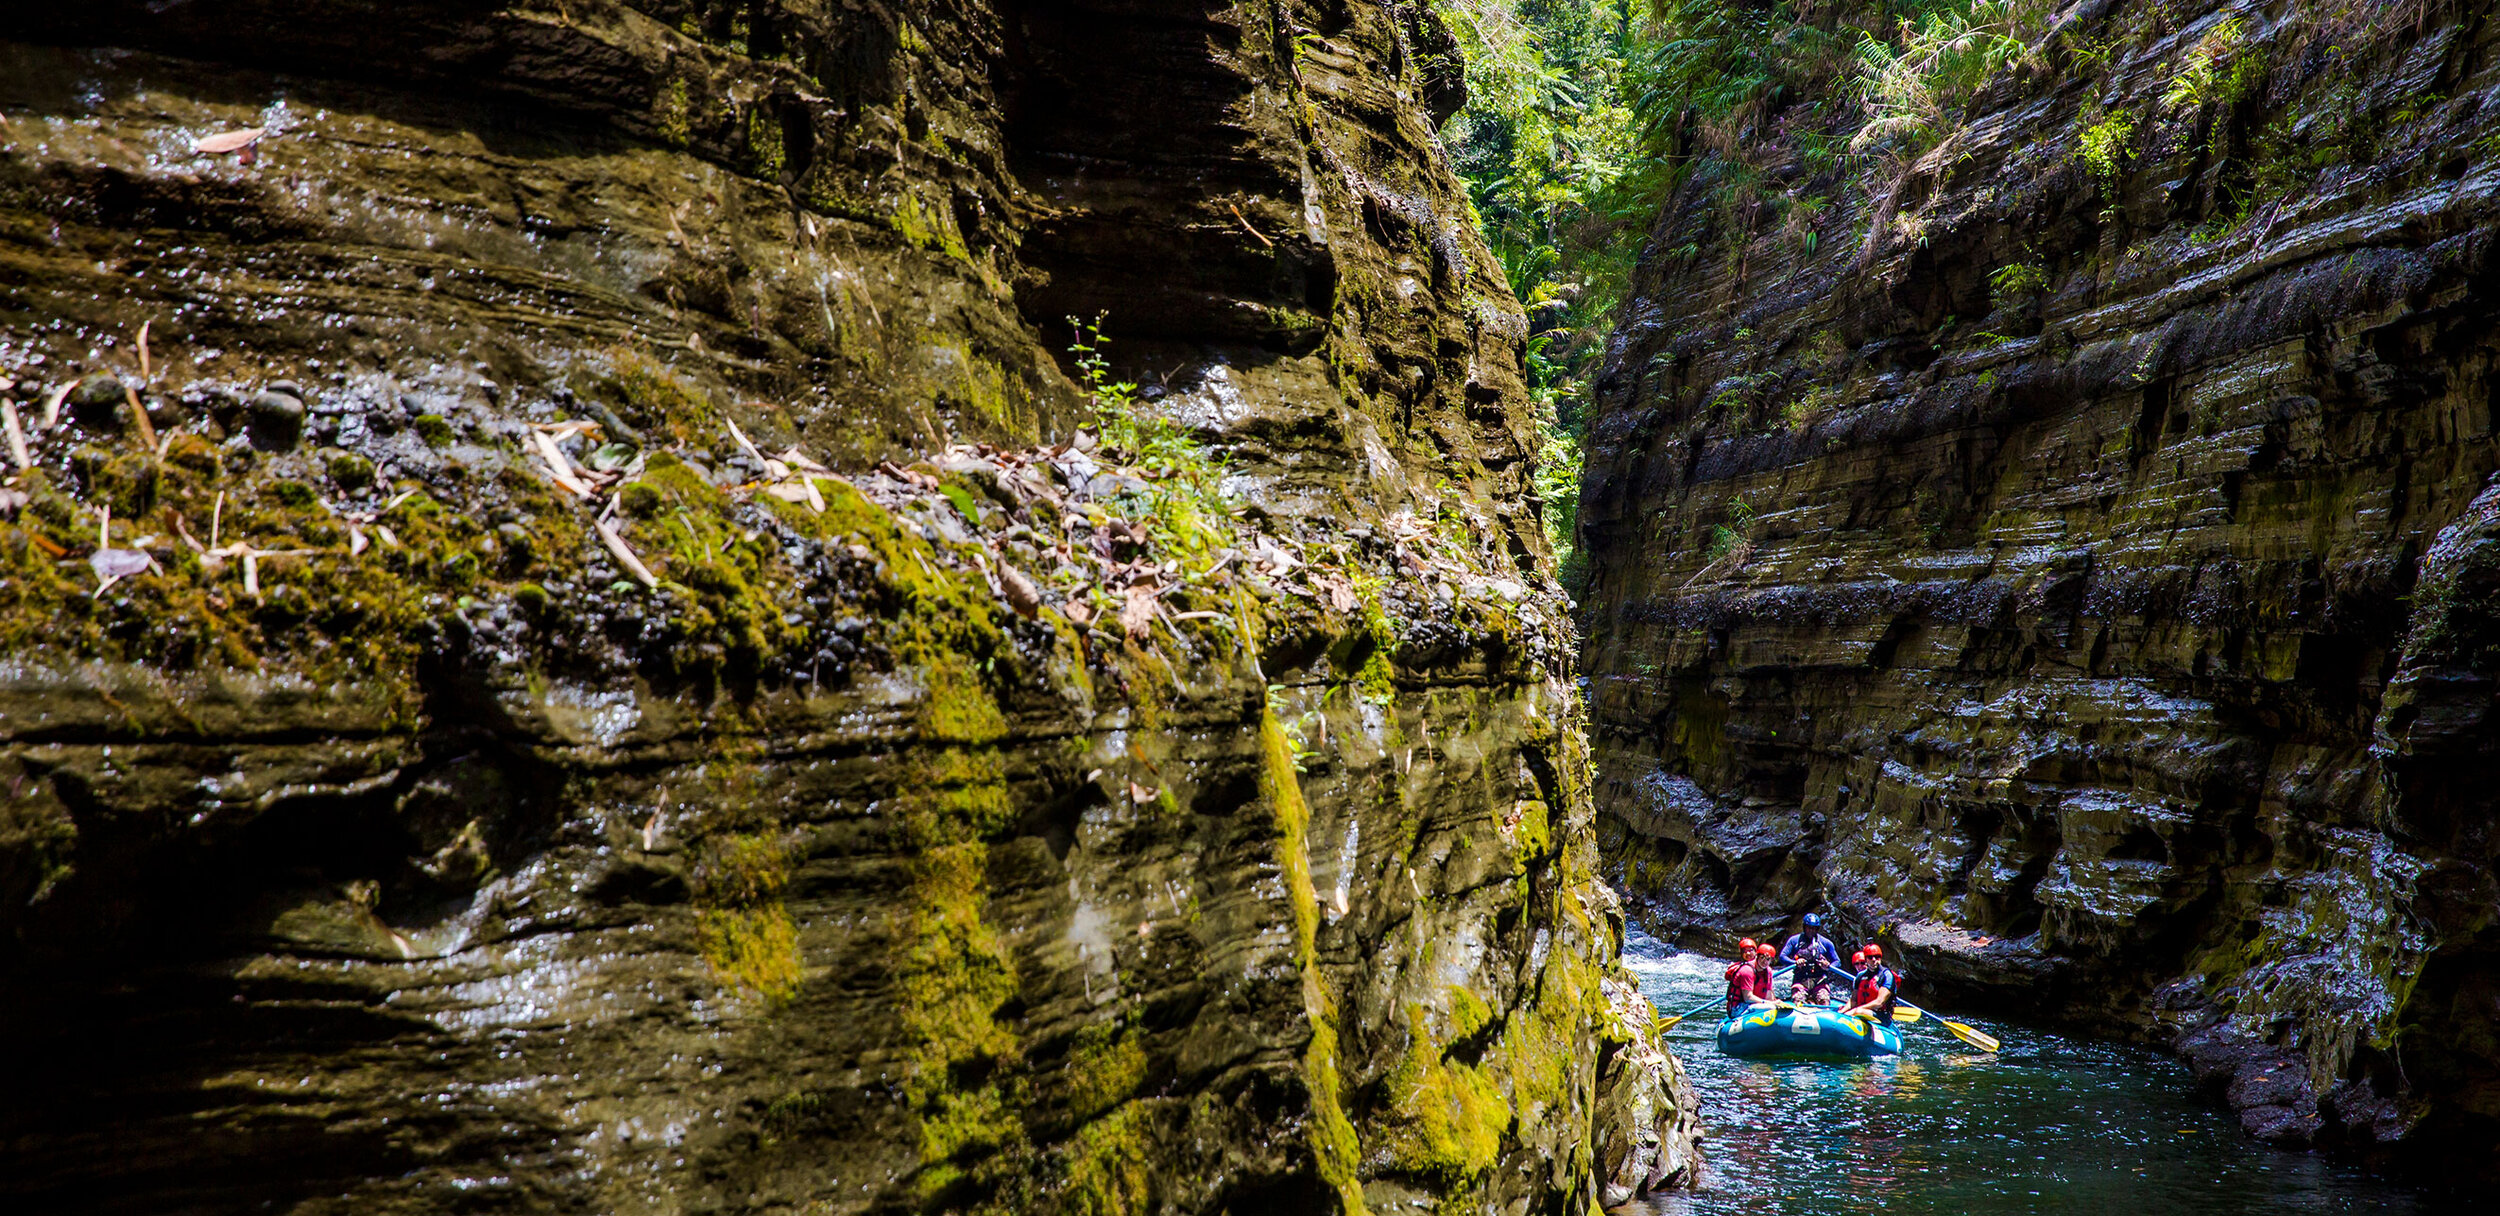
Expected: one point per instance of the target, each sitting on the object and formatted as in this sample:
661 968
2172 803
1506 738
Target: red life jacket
1876 979
1743 981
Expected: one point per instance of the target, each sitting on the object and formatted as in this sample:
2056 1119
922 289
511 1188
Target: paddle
1969 1034
1906 1012
1667 1024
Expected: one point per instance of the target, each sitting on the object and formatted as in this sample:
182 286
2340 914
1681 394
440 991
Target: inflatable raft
1809 1033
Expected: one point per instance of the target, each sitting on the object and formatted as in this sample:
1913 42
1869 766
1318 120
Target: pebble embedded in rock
1112 485
97 403
275 421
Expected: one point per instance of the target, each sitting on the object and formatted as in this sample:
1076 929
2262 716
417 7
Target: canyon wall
2069 553
781 606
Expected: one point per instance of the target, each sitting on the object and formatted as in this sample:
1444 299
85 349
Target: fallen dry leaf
746 445
119 563
225 142
17 435
1138 612
139 414
1340 593
625 556
567 428
52 403
558 467
1140 794
1021 593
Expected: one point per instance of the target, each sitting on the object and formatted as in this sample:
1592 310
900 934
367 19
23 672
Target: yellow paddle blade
1668 1023
1906 1013
1971 1035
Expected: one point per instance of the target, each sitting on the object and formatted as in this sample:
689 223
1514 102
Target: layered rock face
565 648
2069 557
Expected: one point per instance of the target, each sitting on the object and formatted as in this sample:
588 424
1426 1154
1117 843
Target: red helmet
1766 951
1859 957
1874 951
1745 946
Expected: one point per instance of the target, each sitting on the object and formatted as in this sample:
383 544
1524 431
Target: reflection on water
2048 1125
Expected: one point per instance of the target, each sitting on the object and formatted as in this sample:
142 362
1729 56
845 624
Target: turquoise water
2050 1124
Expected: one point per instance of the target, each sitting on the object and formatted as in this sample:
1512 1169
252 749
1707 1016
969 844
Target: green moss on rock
1449 1117
1335 1149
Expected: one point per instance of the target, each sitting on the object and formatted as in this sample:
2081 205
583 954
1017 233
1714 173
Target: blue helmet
1813 921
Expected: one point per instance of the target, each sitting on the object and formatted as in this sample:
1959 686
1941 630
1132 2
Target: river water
2050 1124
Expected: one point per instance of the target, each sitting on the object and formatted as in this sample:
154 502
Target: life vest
1811 960
1878 978
1741 982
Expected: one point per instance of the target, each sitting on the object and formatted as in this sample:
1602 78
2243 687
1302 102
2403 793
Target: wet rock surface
2078 574
640 681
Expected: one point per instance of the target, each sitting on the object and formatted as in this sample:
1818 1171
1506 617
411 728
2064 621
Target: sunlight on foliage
2104 146
1182 504
1584 118
1914 88
2220 69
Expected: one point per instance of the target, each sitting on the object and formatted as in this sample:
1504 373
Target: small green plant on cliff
2105 148
1805 407
1182 503
1727 541
2016 285
2085 55
2221 69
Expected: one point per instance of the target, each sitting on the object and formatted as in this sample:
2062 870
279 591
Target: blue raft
1806 1033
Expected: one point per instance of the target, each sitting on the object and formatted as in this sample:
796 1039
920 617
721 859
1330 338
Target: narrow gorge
811 607
2042 509
783 606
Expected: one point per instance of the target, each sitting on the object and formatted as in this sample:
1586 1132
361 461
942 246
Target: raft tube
1813 1034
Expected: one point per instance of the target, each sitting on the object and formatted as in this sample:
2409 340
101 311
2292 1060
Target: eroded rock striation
576 640
2070 555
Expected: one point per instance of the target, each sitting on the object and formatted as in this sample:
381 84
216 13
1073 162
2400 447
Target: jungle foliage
1584 116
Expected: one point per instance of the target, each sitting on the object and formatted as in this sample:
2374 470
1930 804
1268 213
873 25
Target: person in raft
1749 977
1872 998
1815 959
